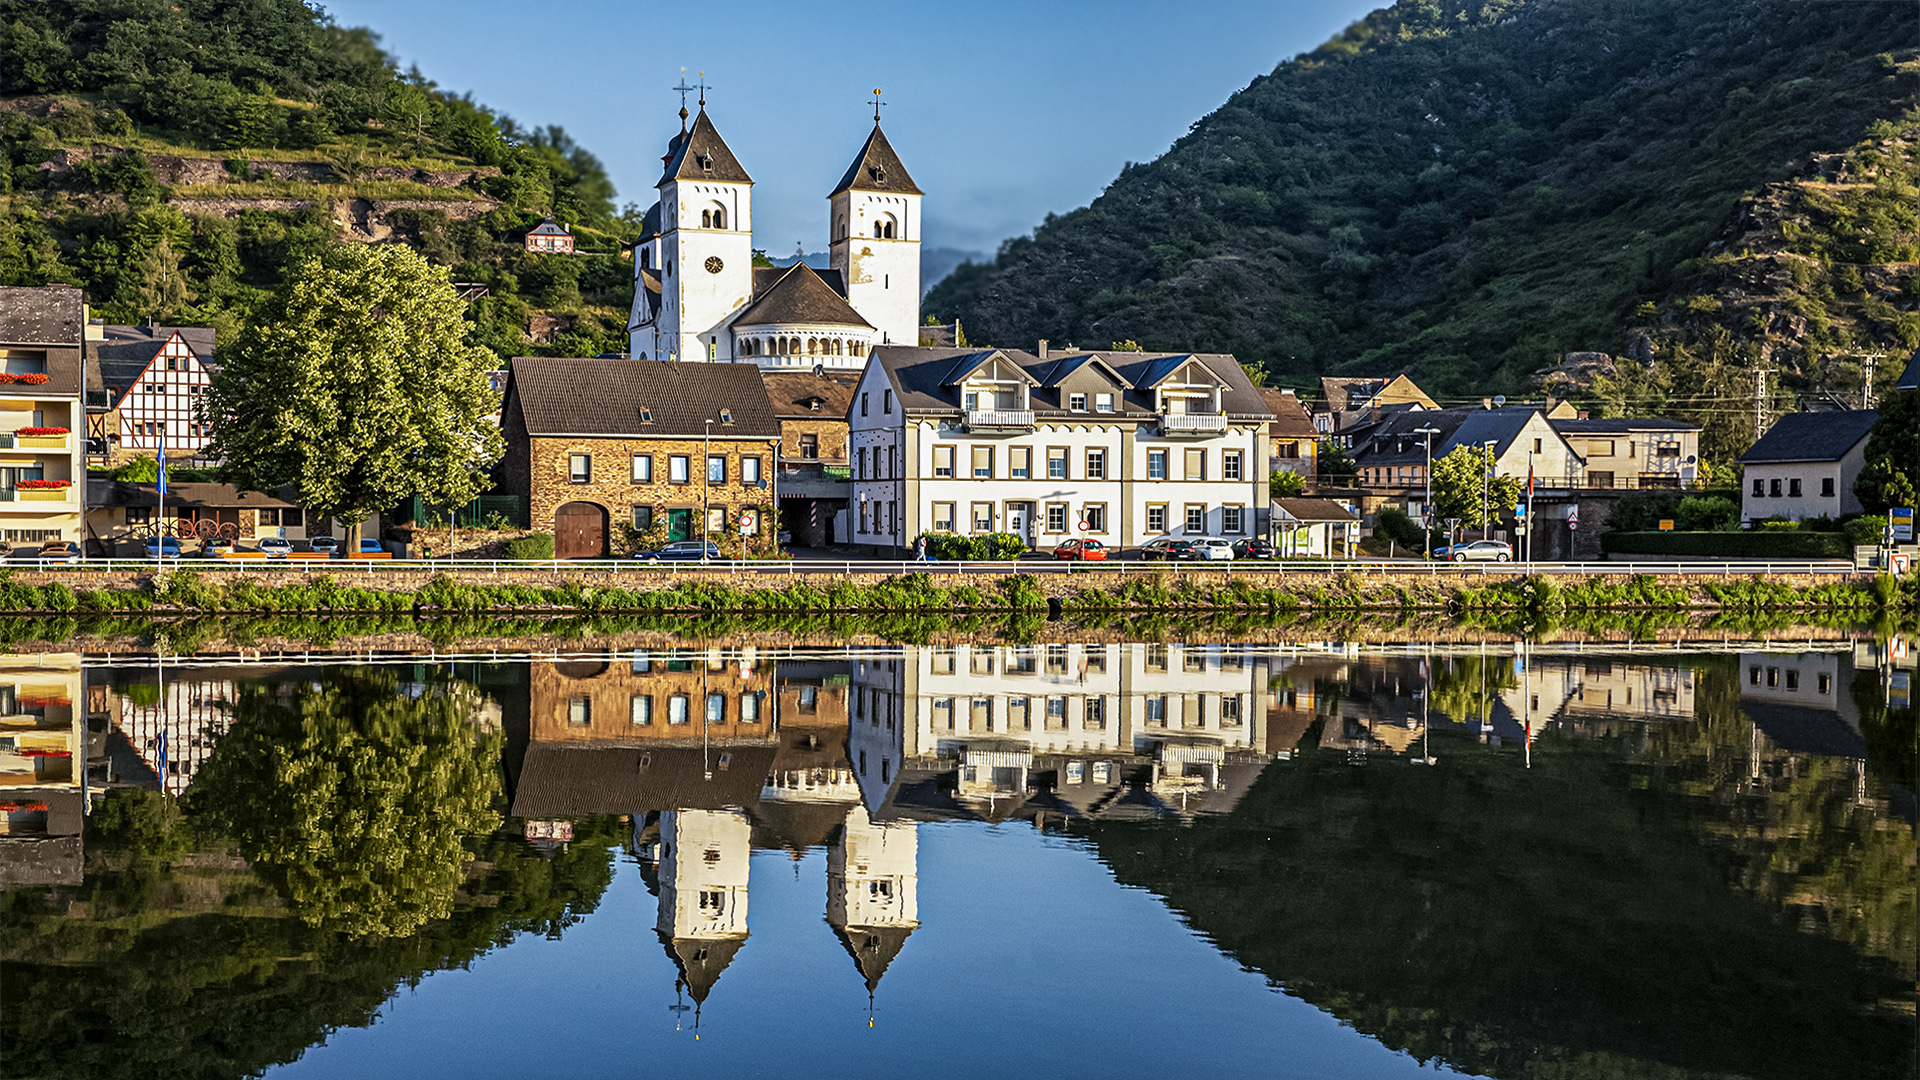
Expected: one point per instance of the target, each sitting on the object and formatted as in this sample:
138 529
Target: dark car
1171 550
1254 547
682 551
1082 550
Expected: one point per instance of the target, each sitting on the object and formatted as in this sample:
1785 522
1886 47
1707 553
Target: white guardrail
621 568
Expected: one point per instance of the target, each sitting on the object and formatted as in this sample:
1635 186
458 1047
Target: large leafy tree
1892 473
1460 485
354 383
355 800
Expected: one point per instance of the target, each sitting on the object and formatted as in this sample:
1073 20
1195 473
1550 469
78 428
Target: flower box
42 485
43 495
43 431
31 378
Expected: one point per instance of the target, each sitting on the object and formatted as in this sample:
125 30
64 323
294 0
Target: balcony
1199 425
13 440
999 421
40 495
799 480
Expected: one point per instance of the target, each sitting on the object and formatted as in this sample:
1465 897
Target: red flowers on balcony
42 431
31 378
42 485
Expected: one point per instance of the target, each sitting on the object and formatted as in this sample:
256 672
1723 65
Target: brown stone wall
609 687
832 431
612 485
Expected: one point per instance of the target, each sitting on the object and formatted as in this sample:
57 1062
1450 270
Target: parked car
159 547
682 551
1083 550
60 551
1168 549
1476 551
273 547
214 547
1212 549
325 544
370 546
1254 547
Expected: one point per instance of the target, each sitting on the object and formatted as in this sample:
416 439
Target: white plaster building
702 859
1805 466
1134 445
698 296
873 890
155 377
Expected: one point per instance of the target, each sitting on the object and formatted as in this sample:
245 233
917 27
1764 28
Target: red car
1084 550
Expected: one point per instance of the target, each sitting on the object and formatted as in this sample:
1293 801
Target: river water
1059 860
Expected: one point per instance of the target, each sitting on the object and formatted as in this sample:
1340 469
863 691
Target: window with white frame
1157 518
640 712
580 711
679 469
1233 519
643 468
1056 517
1196 518
750 470
1019 462
1156 464
1096 464
1230 465
982 517
1077 402
580 468
1056 463
1103 403
983 462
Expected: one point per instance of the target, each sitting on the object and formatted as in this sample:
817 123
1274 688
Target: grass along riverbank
183 592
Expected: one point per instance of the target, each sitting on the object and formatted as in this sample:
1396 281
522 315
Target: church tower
705 248
875 240
873 885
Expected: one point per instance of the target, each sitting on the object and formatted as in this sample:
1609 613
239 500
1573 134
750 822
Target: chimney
1486 403
1041 349
1583 414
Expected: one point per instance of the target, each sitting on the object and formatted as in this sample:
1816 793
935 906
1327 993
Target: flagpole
160 512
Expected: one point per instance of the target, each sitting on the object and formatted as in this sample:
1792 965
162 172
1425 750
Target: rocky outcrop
182 171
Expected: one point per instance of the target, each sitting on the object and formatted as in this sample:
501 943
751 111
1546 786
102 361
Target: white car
1477 551
1212 549
273 547
325 544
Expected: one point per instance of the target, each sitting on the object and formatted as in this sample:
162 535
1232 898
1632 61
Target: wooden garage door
579 531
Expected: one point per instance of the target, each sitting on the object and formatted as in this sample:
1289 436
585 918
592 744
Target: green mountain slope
176 159
1468 190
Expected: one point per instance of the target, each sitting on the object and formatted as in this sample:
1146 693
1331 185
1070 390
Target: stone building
815 485
595 445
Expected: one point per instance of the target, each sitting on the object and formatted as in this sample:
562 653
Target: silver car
1477 551
1213 549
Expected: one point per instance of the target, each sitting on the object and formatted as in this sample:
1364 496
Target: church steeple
875 237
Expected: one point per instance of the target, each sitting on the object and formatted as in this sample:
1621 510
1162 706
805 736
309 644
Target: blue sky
1003 110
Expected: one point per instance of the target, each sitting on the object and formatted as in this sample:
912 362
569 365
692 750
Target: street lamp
1426 508
1486 483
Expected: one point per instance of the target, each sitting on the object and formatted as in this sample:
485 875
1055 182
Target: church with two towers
698 296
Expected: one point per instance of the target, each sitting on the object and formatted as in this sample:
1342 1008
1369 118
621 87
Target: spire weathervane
703 90
876 103
684 91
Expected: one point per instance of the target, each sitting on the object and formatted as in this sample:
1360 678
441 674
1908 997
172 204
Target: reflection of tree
177 960
1647 911
353 798
1464 688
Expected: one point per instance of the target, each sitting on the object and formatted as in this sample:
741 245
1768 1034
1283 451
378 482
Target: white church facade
698 296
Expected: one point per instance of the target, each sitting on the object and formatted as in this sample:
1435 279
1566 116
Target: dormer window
1077 402
1103 403
646 415
705 161
726 416
813 404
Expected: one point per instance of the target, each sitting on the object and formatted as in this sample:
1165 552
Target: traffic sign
1573 518
1901 518
1452 524
1426 520
1084 526
1666 524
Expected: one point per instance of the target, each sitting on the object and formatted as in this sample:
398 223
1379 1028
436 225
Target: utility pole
1426 508
1866 379
1759 402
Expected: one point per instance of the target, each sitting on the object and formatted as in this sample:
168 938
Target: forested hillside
1473 190
176 158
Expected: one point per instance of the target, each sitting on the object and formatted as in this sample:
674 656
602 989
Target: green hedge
1731 545
533 546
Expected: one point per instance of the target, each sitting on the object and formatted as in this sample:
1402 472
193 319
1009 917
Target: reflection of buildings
873 890
701 856
174 721
1075 730
1803 702
42 770
1598 697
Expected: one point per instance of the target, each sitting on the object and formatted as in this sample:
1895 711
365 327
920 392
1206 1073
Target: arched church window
706 219
720 217
889 230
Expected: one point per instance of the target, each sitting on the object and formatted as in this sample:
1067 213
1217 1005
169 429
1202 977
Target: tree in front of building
1892 472
355 384
1461 488
1287 485
1337 468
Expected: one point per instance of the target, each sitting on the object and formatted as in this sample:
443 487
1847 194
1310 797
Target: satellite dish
1499 401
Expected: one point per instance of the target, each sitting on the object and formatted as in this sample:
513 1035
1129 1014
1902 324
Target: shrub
531 546
1865 531
1707 513
1394 524
1759 544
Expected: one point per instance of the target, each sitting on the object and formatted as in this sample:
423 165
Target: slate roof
48 315
1336 394
209 496
800 296
1290 418
873 948
1500 426
548 227
790 391
604 397
1619 424
700 961
1910 378
560 780
1823 436
766 277
1314 510
923 379
650 224
703 155
877 168
128 350
1379 443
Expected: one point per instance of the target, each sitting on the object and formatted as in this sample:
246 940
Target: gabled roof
877 168
800 296
128 351
605 397
559 780
924 378
1343 394
1823 436
1910 378
41 315
873 948
1148 374
966 364
766 277
703 155
1290 418
548 227
791 391
1067 365
1498 426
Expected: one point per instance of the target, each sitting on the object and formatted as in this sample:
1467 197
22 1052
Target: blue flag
163 462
